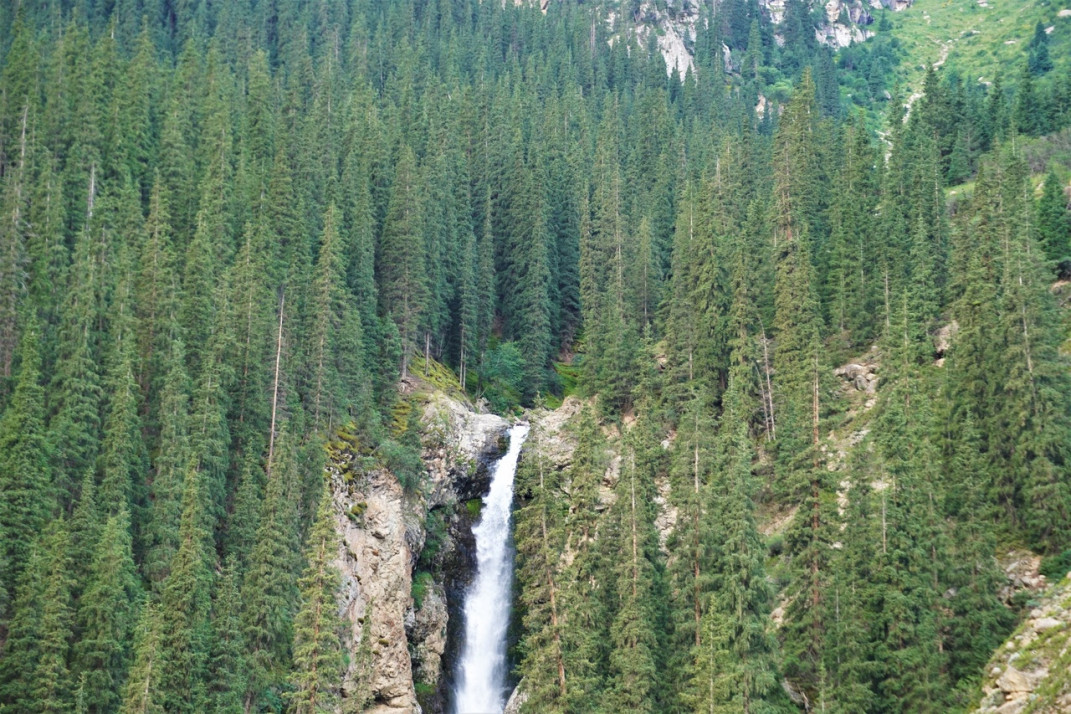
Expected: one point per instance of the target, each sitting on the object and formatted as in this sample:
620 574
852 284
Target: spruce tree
50 685
334 333
76 390
318 667
26 496
156 292
269 589
584 634
226 664
169 467
143 686
980 621
690 568
401 269
1053 225
539 536
22 644
183 611
737 669
106 615
633 682
799 356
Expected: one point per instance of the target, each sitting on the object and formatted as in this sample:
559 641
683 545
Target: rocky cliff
674 23
397 614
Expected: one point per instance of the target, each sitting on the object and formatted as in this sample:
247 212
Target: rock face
846 21
516 700
1032 671
1021 569
376 566
383 532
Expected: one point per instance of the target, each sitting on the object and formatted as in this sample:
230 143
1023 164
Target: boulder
1014 681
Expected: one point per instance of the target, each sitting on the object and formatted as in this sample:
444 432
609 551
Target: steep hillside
978 38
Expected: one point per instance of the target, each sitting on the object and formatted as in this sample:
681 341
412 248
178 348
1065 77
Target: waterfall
481 680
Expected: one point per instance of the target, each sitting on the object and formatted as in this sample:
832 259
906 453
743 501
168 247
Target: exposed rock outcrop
516 700
1021 569
550 439
383 532
846 21
376 565
674 24
1032 671
860 375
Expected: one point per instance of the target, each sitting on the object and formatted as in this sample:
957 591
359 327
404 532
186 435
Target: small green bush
421 582
776 545
404 462
434 537
474 506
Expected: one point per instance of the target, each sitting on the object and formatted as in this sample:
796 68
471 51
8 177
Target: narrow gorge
408 558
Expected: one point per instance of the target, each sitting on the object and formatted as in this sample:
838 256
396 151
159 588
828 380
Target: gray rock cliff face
383 531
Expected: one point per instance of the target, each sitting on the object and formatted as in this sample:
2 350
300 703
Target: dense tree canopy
229 229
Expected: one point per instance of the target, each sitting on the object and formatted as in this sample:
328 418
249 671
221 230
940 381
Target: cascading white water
481 674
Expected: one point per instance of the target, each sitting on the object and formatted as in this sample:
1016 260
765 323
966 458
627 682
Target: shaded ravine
481 671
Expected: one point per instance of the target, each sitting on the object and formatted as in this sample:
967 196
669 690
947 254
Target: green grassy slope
977 38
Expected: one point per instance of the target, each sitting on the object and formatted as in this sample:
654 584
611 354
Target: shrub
1055 567
421 582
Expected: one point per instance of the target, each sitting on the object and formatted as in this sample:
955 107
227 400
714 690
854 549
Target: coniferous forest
230 229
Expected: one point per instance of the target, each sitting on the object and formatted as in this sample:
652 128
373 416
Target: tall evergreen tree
26 496
336 342
317 675
400 266
106 617
50 685
226 667
269 590
539 537
1053 224
736 666
143 686
182 614
633 683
